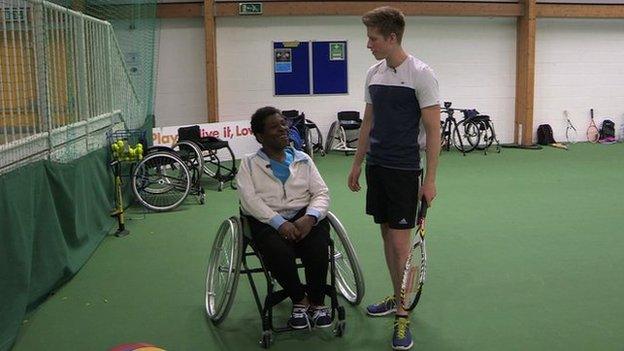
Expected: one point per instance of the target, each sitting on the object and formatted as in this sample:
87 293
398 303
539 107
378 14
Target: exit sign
250 8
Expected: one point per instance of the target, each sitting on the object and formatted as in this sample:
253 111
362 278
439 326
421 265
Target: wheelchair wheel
466 136
349 278
329 142
486 135
161 181
224 270
191 153
308 145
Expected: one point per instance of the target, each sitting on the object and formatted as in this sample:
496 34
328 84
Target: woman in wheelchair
286 200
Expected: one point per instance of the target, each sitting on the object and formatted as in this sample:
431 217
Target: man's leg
396 248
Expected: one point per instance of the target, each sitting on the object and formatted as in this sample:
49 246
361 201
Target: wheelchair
163 179
231 248
218 160
304 134
340 130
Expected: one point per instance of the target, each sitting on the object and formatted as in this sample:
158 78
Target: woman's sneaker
299 317
321 316
402 336
383 307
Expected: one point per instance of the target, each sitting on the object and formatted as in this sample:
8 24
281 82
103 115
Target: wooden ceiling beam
346 8
180 10
334 8
579 11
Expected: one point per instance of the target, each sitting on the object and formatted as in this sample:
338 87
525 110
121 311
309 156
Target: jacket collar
298 155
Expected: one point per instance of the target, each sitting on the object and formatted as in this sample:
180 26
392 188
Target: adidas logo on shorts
403 221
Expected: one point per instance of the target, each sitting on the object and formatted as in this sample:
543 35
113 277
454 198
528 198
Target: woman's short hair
260 116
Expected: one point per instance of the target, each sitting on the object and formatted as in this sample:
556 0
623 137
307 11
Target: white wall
181 78
474 59
579 65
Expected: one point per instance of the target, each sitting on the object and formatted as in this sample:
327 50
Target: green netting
135 25
69 72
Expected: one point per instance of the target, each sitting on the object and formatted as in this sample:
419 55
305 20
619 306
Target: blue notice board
329 60
291 68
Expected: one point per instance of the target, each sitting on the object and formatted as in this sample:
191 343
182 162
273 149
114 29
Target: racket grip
422 212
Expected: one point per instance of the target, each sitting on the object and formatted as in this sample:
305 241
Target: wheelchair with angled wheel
229 258
163 179
218 160
304 133
340 136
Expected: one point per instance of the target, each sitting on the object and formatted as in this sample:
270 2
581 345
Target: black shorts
392 196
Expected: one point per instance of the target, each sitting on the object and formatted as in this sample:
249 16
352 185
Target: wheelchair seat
349 119
228 258
341 133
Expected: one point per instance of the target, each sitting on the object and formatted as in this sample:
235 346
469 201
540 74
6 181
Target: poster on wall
283 60
291 67
310 67
337 51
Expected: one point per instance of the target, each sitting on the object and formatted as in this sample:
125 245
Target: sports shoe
321 316
383 307
299 317
402 336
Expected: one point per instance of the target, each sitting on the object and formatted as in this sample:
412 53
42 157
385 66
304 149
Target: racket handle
592 113
422 212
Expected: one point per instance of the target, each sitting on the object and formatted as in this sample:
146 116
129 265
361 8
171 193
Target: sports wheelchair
230 250
337 138
218 160
163 179
303 133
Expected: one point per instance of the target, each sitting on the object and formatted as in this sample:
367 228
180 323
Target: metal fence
63 84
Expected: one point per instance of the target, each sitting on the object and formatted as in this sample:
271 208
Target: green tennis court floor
526 252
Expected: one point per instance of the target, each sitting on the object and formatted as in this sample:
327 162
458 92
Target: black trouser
279 255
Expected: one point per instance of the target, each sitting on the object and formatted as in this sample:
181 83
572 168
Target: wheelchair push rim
349 278
223 270
161 181
191 153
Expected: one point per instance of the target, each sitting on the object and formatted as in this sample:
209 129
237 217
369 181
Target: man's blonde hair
386 20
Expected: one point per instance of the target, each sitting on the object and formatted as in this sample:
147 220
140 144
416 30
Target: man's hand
304 225
354 178
429 192
288 231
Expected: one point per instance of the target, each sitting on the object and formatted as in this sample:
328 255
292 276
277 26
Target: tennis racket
571 133
592 130
414 272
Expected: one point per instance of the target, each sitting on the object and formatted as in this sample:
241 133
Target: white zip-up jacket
265 197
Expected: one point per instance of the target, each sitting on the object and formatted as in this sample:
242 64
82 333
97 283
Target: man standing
401 95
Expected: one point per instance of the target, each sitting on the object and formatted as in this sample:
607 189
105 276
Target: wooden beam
180 10
211 61
345 8
328 8
525 74
579 11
